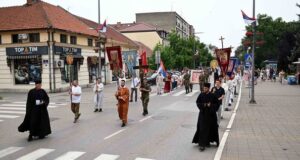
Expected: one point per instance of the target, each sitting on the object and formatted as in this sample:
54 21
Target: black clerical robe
36 119
207 126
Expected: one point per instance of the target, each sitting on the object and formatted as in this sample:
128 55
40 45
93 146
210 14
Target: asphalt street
165 134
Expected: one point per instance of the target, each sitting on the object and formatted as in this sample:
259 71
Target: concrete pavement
268 130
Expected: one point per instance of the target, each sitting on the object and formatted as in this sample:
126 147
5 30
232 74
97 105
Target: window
26 71
63 38
34 37
90 42
15 38
0 40
73 40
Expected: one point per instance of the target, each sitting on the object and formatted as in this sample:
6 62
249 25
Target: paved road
165 134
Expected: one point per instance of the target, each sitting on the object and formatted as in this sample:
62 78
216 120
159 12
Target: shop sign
30 50
67 50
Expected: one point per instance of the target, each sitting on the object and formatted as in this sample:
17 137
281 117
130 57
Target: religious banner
130 58
231 66
195 76
114 58
223 57
213 64
144 60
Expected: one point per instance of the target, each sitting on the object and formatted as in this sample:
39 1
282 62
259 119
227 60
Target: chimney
32 1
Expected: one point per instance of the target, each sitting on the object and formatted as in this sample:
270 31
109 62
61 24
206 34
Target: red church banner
223 57
115 58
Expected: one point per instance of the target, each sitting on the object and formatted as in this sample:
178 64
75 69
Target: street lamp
252 101
99 39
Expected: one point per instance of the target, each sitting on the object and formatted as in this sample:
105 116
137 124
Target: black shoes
123 125
30 138
202 148
96 110
100 110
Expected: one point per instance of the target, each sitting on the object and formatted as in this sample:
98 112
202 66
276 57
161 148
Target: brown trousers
75 109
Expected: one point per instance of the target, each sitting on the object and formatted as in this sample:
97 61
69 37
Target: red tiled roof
119 26
41 15
111 33
141 27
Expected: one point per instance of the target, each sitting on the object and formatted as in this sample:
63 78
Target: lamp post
99 39
194 49
252 100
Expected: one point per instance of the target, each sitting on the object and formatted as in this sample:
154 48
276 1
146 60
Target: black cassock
207 126
36 119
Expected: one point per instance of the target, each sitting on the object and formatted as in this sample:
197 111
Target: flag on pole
102 27
247 19
162 69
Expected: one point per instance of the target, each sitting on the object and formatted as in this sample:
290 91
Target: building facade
168 21
42 41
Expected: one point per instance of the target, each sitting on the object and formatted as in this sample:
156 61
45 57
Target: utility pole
252 101
99 41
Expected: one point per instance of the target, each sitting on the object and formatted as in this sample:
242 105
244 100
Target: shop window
73 40
90 42
63 38
70 72
34 37
27 71
15 38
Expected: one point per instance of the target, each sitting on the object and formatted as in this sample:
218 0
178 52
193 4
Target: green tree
180 53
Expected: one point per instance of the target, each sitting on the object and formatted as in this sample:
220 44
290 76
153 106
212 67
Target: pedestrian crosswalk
42 153
177 94
16 109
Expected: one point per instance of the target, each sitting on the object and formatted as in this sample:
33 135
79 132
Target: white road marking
14 112
8 116
51 103
148 117
70 155
13 105
13 108
193 93
143 159
225 135
107 157
9 151
178 93
114 134
36 154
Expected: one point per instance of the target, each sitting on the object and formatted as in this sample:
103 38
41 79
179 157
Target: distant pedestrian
191 84
98 98
135 82
75 99
281 76
159 83
220 94
186 82
207 126
36 118
168 86
145 90
229 94
122 96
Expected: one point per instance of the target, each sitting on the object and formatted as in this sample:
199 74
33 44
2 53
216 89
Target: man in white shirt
134 84
98 98
75 99
229 95
159 83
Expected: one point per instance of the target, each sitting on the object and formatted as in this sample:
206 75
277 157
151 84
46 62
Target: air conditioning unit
59 64
23 36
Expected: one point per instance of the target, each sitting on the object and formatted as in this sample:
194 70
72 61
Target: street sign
248 60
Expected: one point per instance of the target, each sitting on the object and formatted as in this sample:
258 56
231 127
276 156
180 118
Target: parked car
152 79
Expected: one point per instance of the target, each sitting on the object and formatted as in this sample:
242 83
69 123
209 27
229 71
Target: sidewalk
268 130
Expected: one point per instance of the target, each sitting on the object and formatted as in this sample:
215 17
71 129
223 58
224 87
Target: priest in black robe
36 119
207 126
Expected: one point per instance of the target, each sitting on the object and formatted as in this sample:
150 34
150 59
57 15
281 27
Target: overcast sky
215 18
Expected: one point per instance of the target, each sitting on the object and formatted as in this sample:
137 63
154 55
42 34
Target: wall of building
150 39
165 20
